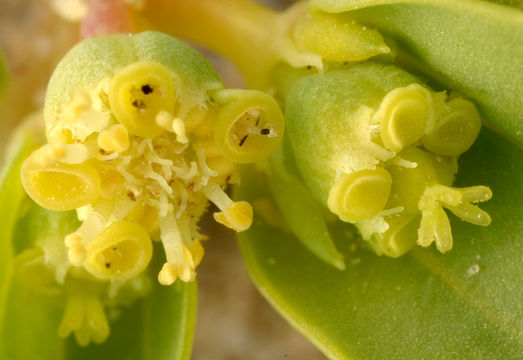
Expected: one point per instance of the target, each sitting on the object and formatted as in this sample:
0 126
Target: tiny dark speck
265 131
243 140
147 89
107 265
138 104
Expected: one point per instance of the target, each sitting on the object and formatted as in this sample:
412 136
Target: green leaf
301 212
471 46
463 305
11 196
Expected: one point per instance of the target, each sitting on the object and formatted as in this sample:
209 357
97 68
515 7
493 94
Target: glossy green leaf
301 212
471 46
11 196
424 305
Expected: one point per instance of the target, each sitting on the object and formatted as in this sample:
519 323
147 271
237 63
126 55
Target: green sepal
471 46
301 212
465 304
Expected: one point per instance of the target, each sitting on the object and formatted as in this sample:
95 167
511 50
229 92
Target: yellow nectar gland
249 126
404 116
457 127
120 252
138 93
360 195
59 185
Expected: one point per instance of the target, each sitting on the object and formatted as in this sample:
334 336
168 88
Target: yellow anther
164 119
456 129
237 216
168 274
404 115
360 195
116 139
138 93
120 252
178 128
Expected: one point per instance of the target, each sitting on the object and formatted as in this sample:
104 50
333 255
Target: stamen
234 215
435 225
116 139
78 240
178 127
73 316
172 244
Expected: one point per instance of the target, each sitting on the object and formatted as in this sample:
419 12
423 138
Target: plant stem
253 37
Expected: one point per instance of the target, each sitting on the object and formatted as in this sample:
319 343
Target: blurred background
234 321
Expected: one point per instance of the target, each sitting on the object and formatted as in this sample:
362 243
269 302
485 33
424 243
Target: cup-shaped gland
138 93
404 115
120 252
58 178
249 124
337 38
455 130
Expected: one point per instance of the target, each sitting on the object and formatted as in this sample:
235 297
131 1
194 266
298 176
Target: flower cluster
380 150
141 135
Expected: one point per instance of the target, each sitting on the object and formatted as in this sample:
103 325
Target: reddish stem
105 17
